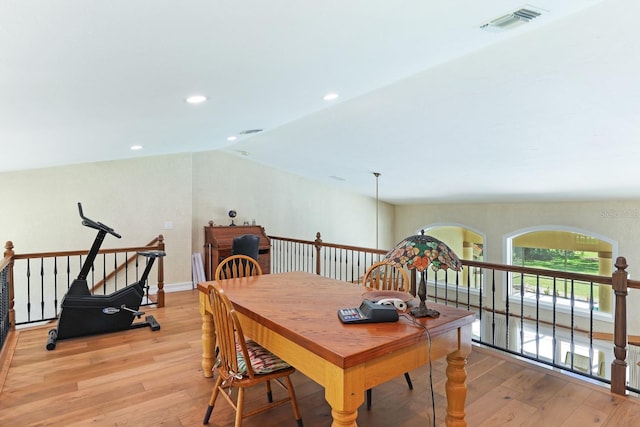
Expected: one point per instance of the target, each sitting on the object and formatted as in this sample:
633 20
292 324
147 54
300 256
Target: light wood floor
144 378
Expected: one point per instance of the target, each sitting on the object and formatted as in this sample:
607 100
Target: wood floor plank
514 413
545 389
627 414
484 407
524 380
585 417
557 410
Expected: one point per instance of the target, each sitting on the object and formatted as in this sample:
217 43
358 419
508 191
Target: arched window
562 249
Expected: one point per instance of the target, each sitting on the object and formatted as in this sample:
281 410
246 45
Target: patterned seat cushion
262 360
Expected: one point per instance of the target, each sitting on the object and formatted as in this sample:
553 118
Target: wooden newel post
318 245
619 365
12 313
160 302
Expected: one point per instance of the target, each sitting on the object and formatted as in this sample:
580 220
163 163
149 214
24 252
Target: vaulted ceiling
444 110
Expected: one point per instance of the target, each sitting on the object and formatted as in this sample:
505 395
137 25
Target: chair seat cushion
262 360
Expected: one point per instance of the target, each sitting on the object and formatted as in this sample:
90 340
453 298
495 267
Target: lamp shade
420 251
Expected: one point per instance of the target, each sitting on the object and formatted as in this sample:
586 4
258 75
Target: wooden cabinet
219 239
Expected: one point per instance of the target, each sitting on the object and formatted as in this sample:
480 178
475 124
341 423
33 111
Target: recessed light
136 147
330 96
196 99
232 138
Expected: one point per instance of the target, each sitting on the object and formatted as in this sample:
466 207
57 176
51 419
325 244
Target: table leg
345 393
344 418
456 389
208 338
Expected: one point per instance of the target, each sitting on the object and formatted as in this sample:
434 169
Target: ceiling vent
250 131
512 20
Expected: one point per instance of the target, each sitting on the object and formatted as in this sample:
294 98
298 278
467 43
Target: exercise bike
83 314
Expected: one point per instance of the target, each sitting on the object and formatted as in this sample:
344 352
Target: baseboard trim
172 287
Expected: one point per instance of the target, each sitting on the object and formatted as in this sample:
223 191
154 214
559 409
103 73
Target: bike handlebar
94 224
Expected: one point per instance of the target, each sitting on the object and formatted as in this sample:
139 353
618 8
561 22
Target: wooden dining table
294 315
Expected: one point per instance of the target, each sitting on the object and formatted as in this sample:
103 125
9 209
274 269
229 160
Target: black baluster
480 301
137 264
493 310
68 272
522 290
126 268
554 341
572 321
507 308
591 352
115 271
42 288
537 316
104 274
28 290
55 285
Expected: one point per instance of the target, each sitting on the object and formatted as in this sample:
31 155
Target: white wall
137 196
284 204
134 197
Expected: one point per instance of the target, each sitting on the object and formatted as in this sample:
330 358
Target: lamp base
423 311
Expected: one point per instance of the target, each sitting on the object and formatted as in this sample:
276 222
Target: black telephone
369 312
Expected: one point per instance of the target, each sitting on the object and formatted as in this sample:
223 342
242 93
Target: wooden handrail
580 277
319 243
79 253
157 243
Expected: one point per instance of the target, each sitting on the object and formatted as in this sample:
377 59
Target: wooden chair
234 372
386 277
237 266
